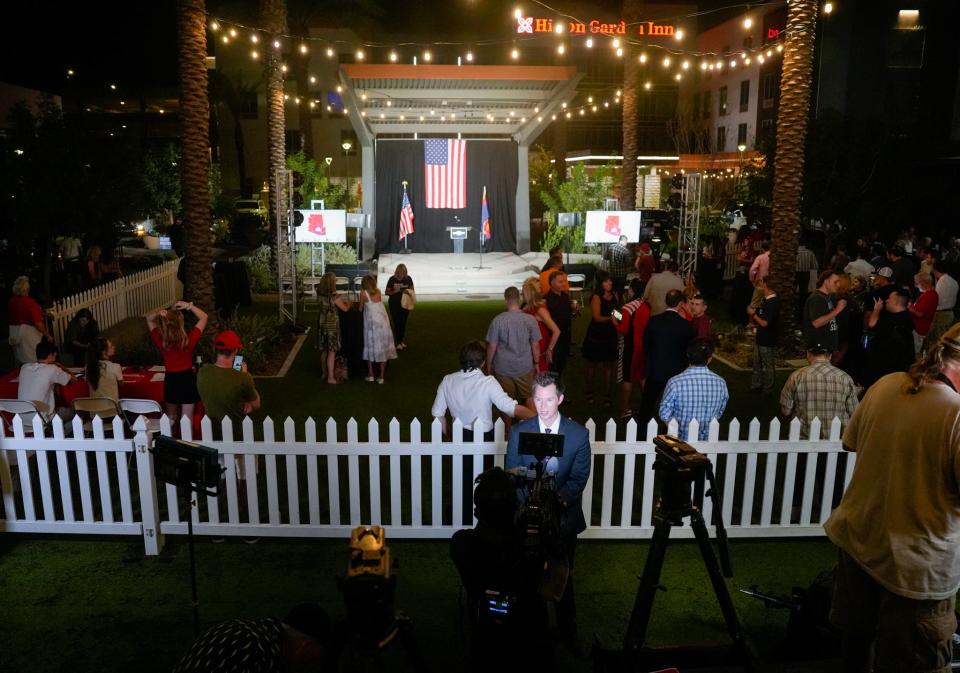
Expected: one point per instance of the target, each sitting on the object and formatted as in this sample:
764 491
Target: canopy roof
514 100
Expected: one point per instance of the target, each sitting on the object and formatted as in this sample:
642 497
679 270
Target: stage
449 274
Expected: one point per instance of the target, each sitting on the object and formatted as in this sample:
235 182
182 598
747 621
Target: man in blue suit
571 471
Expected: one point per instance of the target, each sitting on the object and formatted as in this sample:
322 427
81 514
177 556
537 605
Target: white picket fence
305 485
135 295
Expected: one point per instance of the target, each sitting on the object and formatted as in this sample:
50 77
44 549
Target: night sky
134 43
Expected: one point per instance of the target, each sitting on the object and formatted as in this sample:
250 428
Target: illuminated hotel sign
532 24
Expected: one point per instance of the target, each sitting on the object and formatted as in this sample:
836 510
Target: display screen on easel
322 226
607 226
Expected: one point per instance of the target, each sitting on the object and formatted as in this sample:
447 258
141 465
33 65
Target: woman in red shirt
176 346
27 326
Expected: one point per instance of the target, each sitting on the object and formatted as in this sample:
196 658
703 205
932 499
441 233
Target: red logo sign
612 225
315 225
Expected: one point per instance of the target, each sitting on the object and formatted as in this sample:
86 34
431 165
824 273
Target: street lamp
740 148
346 145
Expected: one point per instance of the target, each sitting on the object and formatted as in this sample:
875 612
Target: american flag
445 173
406 216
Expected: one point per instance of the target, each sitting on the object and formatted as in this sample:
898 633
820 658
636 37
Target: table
137 383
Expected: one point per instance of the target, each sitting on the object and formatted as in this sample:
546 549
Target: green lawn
72 604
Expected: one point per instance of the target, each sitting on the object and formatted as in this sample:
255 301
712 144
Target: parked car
249 207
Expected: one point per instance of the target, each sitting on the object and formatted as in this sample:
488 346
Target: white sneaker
369 379
379 380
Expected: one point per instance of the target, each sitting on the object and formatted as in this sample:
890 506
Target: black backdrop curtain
489 162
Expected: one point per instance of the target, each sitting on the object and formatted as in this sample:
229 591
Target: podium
458 235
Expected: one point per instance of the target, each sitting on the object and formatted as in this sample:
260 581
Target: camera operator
570 471
506 611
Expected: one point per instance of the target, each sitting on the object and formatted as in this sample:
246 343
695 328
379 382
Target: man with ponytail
898 525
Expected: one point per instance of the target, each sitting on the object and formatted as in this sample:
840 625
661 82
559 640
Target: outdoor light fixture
328 160
827 7
589 43
748 23
741 147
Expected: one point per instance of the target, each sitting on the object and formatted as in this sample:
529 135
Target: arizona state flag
485 217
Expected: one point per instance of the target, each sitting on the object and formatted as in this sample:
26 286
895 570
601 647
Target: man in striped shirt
807 268
696 392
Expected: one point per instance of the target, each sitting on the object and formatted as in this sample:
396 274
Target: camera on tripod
539 514
369 586
680 464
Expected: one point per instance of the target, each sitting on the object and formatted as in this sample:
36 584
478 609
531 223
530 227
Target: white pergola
472 102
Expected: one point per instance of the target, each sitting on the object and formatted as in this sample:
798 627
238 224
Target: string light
703 65
569 115
276 44
427 56
226 40
283 68
113 87
313 80
360 54
589 43
393 57
389 103
514 54
733 64
558 29
643 58
685 65
233 32
678 77
561 49
619 52
71 72
303 49
678 35
780 48
748 23
469 57
254 54
254 38
647 85
828 8
329 52
616 43
214 26
666 61
518 13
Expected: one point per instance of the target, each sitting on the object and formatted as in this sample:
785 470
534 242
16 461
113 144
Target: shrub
263 276
334 253
260 335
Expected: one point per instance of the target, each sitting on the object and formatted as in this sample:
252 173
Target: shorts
911 634
180 387
519 388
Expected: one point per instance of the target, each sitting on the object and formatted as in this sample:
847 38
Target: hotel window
248 105
721 139
768 88
706 104
741 135
722 109
744 95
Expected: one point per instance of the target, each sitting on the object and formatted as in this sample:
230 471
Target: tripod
673 508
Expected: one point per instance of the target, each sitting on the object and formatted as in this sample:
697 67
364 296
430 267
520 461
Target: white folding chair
309 289
577 282
151 411
343 284
26 410
356 285
88 407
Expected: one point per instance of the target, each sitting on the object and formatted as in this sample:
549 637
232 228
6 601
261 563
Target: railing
135 295
305 485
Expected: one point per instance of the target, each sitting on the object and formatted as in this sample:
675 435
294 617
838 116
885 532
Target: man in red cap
227 390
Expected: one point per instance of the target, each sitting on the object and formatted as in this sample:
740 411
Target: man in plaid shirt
621 262
819 390
696 392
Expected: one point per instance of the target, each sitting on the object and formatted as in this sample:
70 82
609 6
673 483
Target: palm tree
273 15
796 82
195 152
632 9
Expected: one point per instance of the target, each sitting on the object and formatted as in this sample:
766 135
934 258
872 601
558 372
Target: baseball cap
886 272
645 247
818 349
227 340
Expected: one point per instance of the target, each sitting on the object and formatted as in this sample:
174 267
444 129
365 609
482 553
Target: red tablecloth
137 383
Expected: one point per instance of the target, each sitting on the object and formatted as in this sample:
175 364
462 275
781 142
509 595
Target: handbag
408 300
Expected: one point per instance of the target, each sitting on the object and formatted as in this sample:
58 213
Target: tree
795 85
230 90
161 181
316 182
274 18
632 9
195 153
581 192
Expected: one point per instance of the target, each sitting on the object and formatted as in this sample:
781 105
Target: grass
72 604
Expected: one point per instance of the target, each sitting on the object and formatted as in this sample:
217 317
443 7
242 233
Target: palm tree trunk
274 17
632 9
795 86
195 154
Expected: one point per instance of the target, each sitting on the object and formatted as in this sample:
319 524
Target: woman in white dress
378 343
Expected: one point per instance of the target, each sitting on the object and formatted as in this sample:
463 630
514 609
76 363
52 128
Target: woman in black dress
399 282
600 342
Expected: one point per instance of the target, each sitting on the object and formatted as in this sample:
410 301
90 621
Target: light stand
197 470
346 145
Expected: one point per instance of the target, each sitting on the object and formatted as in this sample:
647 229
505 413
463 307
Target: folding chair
343 284
89 407
309 289
26 410
577 282
149 409
356 286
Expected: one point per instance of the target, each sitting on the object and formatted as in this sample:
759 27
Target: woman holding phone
176 346
600 342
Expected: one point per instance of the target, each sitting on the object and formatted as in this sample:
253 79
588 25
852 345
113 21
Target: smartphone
238 362
616 314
